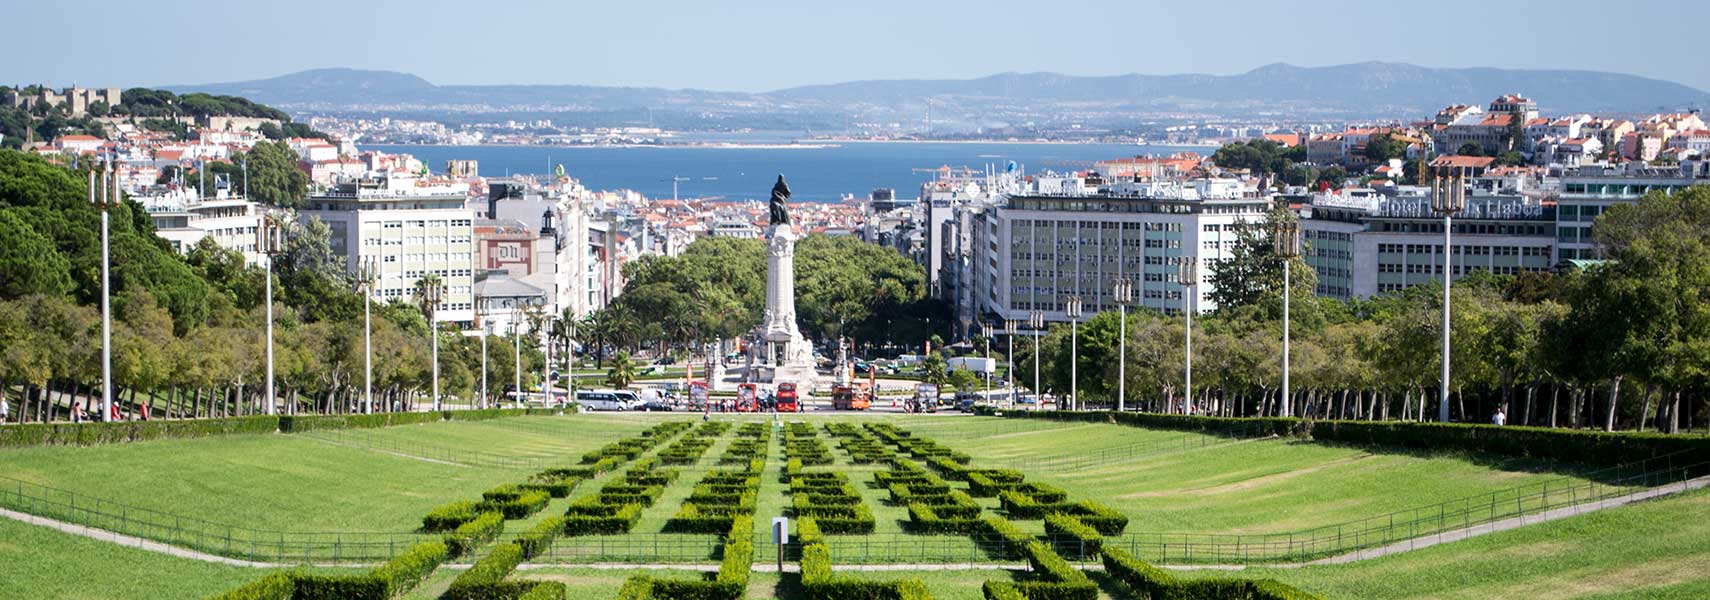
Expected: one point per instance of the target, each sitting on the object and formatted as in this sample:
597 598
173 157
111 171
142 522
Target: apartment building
1036 251
411 231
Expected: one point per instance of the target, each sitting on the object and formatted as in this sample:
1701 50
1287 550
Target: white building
183 220
410 233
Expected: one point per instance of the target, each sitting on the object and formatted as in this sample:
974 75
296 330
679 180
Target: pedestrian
76 412
1500 418
5 411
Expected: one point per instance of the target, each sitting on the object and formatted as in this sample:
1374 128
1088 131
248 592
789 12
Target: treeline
716 289
1618 344
155 110
188 331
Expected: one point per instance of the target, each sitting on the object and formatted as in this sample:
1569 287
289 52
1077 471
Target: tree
1510 158
622 372
1470 149
274 178
934 369
1253 274
29 263
1382 147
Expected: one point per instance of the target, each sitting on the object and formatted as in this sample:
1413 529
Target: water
815 174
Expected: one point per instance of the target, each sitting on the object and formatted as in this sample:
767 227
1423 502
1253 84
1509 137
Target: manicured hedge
538 538
450 516
482 580
474 533
1155 583
1594 448
819 583
619 520
1072 536
91 433
519 507
366 586
1015 540
405 570
278 586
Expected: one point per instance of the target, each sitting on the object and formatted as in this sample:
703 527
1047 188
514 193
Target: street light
1124 294
486 329
433 294
268 242
1009 359
1036 321
1448 196
986 332
1285 242
516 367
366 273
104 200
1188 277
1072 309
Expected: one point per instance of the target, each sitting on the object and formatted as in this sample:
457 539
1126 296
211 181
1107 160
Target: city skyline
741 48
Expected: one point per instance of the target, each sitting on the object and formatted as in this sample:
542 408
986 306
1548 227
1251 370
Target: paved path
767 567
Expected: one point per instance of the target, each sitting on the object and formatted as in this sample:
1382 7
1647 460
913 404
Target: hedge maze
467 526
722 501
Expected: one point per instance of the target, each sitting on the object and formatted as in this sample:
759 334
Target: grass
1656 549
294 483
40 563
1173 483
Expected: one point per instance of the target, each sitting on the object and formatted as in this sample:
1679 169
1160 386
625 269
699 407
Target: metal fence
1409 526
198 534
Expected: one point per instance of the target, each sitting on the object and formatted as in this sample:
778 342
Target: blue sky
764 44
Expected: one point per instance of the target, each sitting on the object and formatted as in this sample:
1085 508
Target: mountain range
1362 90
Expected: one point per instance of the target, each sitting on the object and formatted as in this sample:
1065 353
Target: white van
600 400
630 400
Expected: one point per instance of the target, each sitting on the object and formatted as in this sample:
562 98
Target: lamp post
1188 277
432 295
1036 321
366 274
986 332
1072 309
1448 196
486 329
268 241
1285 243
1009 359
104 200
1124 294
516 367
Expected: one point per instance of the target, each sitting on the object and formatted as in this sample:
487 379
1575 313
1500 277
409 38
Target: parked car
599 400
656 406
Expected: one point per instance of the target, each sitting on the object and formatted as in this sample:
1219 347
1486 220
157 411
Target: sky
762 45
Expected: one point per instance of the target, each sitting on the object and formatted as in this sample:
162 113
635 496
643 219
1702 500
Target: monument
782 350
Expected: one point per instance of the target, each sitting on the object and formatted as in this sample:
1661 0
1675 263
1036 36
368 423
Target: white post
516 369
1448 267
266 251
107 307
1122 360
1075 362
433 330
483 395
367 349
1287 408
1187 388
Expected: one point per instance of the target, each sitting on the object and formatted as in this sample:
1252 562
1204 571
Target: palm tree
622 371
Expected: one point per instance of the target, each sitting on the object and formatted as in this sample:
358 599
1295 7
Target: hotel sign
1487 209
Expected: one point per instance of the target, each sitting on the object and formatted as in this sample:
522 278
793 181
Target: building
410 231
184 220
1585 193
1035 251
1361 243
77 99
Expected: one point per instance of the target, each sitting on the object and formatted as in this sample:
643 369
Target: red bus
787 400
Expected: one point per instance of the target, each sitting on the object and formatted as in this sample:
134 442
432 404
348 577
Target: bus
925 399
848 397
747 397
787 401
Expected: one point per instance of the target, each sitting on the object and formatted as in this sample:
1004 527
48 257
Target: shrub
1100 517
367 586
559 488
1143 578
619 520
1052 567
523 505
278 586
1015 540
538 538
1069 533
545 590
405 570
1001 590
480 530
479 581
450 516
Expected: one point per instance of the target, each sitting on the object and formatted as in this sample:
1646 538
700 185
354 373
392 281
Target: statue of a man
780 195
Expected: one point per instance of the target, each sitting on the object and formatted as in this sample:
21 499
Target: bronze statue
780 195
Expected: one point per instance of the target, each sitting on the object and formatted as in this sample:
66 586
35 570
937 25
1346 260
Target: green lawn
40 563
1657 549
1176 482
295 483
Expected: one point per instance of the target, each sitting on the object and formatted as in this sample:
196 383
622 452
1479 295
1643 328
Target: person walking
1500 418
5 411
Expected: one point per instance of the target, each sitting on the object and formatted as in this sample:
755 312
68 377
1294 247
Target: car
666 360
656 406
1027 399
